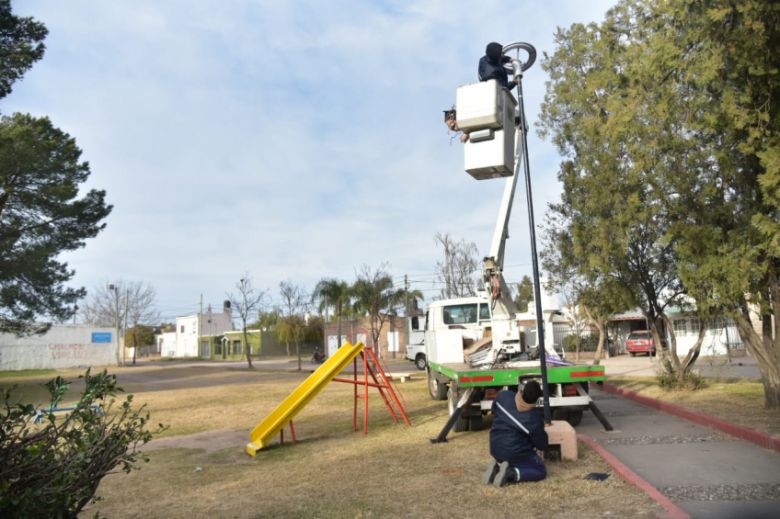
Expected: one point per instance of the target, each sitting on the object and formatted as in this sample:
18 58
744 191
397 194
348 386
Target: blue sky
290 140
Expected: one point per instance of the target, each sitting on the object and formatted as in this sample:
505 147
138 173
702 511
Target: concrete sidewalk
717 367
703 471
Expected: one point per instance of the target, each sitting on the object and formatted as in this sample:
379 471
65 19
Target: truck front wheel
437 390
419 361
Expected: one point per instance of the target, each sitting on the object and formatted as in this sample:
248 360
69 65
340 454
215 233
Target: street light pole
113 288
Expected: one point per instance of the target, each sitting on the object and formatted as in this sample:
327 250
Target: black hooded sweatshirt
490 68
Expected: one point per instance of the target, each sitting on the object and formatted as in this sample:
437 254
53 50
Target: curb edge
761 439
673 511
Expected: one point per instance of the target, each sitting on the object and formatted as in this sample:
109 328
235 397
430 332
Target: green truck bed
467 376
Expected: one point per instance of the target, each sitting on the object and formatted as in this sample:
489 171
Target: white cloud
293 140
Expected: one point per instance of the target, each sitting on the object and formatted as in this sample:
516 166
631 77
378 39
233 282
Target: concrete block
561 433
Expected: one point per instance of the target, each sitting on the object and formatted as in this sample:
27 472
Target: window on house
236 348
680 326
717 324
695 323
182 328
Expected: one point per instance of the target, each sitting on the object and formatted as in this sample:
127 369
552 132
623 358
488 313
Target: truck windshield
460 314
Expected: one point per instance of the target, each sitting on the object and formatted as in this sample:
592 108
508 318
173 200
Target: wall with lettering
63 346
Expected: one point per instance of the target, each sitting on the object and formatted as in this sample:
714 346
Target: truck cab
415 349
465 329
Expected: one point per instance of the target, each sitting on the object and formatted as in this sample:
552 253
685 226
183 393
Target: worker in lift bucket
491 65
517 433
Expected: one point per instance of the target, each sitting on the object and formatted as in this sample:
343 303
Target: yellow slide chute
297 400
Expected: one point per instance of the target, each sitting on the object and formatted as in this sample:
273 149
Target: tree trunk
766 351
298 352
338 330
135 342
670 362
577 346
601 325
248 348
693 353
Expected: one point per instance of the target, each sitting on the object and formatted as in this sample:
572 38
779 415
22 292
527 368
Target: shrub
51 466
587 343
672 380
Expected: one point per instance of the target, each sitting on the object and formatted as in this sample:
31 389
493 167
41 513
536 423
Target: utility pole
127 297
211 332
406 295
200 313
113 288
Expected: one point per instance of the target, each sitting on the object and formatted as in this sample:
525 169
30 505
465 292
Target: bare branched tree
247 302
457 271
121 304
292 324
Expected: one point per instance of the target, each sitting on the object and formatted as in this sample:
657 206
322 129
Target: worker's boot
490 473
506 475
500 478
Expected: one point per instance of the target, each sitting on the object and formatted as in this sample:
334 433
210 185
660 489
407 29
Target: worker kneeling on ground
517 433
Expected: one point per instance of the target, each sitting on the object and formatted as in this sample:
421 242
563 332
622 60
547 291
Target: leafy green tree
53 469
21 45
266 319
587 293
138 336
375 295
41 212
313 331
525 293
724 82
333 293
677 102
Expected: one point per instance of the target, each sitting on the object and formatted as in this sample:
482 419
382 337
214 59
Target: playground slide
297 400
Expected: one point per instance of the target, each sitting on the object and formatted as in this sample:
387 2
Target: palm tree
375 295
334 293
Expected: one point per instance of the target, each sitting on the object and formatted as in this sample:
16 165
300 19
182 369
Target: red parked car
640 341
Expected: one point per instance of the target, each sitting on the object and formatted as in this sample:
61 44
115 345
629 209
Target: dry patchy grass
331 472
734 400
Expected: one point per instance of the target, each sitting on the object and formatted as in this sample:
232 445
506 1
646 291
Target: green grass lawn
735 400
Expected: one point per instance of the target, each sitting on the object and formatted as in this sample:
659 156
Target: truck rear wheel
437 390
476 423
573 416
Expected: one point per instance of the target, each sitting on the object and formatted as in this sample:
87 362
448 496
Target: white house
185 341
721 334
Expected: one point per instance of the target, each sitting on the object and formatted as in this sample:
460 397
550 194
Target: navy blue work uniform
516 435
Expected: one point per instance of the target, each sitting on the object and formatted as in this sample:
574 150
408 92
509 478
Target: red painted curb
762 439
673 511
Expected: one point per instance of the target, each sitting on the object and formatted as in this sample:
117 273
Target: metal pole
534 257
124 351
